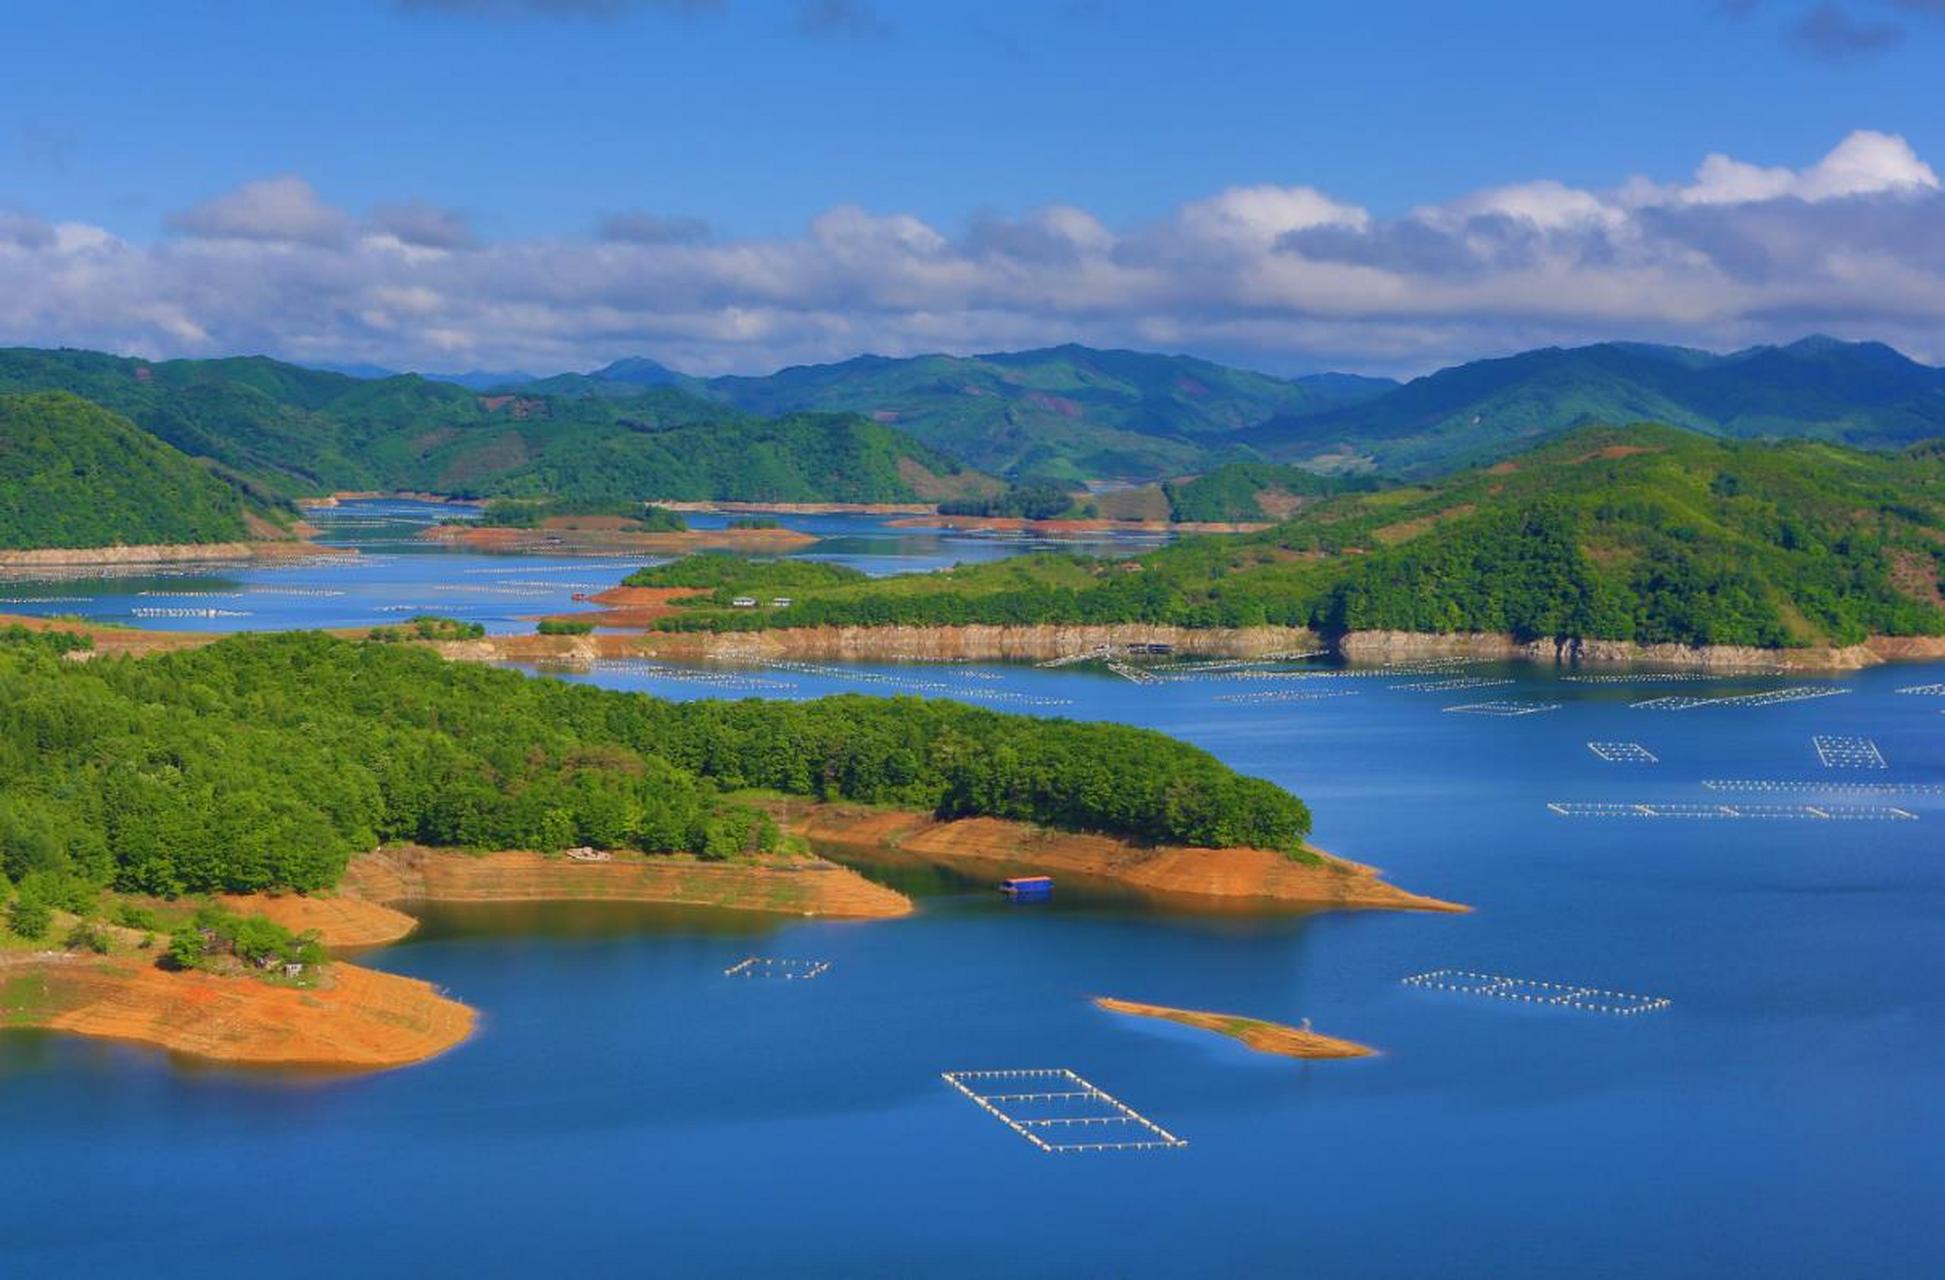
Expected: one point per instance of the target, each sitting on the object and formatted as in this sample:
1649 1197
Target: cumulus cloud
1280 276
275 210
423 225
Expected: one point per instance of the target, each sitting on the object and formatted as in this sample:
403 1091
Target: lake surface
626 1108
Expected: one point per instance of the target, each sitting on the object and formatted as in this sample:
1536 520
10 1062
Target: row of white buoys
1767 698
1455 682
777 967
475 589
188 612
1843 751
1777 785
46 599
313 593
914 684
1670 677
1132 674
1503 707
1925 690
1623 753
191 595
691 675
1533 991
1284 695
1114 1111
1815 812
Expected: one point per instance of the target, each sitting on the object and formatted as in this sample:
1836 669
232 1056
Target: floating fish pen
1836 751
309 593
1531 991
1285 695
1811 812
1456 682
1134 675
190 595
1028 888
1503 707
690 675
1623 753
187 612
773 967
1767 698
1777 785
1059 1112
913 684
1671 677
1925 690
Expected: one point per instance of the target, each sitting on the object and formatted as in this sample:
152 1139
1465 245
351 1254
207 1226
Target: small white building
744 602
780 602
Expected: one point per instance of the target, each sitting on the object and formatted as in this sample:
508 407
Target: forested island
1644 534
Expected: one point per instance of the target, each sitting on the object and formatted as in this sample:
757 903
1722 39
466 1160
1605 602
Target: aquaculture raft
771 967
1531 991
1065 1106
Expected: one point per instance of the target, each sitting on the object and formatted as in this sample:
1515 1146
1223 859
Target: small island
1257 1034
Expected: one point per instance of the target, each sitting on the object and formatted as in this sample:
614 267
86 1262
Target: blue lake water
627 1109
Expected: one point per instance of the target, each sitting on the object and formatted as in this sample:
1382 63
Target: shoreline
356 1019
797 886
1236 879
570 537
1043 642
167 553
1080 527
1254 1033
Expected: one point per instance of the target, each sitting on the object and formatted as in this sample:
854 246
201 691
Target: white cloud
1284 277
282 210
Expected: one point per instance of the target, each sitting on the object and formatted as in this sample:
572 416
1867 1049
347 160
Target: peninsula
1262 1036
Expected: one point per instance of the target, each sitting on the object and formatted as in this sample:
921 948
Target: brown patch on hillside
1916 575
1612 451
1215 877
934 487
1264 1037
1502 468
1144 502
1405 530
357 1018
799 886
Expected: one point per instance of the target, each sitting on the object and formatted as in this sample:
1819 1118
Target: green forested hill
1066 414
266 761
278 429
74 475
1858 393
1644 533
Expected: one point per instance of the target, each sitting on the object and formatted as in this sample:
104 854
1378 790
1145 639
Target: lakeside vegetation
266 761
74 475
1645 533
516 513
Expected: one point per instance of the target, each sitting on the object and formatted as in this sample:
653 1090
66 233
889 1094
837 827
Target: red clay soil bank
358 1018
339 919
793 886
1264 1037
1215 876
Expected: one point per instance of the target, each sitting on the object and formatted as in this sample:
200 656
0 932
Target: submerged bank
167 553
1262 1036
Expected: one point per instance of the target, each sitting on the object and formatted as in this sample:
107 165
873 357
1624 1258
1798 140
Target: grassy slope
74 475
1644 533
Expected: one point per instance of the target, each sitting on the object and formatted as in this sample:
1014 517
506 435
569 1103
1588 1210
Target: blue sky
530 122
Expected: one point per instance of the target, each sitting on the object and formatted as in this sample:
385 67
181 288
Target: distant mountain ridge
1864 394
1067 414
